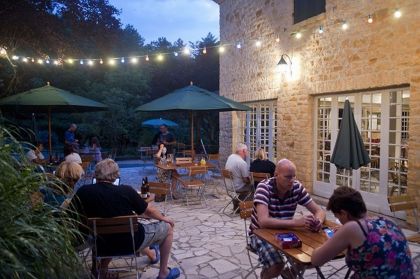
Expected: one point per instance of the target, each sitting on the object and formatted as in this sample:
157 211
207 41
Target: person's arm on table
334 246
267 222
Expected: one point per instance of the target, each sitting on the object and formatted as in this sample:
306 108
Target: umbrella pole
49 133
192 134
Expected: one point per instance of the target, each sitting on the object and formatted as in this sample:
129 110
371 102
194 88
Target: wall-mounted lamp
283 65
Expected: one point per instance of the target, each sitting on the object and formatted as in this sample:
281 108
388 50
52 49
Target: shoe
173 273
157 252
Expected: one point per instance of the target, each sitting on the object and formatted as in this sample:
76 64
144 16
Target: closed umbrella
192 98
158 122
349 150
48 99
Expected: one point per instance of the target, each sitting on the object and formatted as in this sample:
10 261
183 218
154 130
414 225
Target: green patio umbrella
349 150
48 99
192 98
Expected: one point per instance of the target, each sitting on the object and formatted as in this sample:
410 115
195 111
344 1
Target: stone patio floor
210 244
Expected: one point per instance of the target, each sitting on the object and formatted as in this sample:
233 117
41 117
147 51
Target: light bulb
47 61
134 60
90 63
40 61
14 57
258 43
70 61
2 51
298 35
277 40
122 60
238 45
81 62
111 62
345 25
186 50
204 50
101 61
370 19
147 57
221 49
33 60
176 53
320 30
397 13
159 57
24 59
56 62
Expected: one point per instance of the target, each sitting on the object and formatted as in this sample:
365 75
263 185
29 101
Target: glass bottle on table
147 187
143 189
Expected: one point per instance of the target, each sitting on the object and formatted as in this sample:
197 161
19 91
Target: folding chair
160 188
245 212
180 161
116 225
231 191
194 183
406 202
257 177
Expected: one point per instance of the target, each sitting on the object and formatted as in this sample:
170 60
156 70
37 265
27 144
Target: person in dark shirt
105 200
164 137
262 164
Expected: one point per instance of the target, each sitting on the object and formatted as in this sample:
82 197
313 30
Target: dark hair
94 140
348 199
68 149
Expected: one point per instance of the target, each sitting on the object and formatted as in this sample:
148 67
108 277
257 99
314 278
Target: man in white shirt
240 171
35 155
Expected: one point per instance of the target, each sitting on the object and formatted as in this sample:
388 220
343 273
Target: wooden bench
406 202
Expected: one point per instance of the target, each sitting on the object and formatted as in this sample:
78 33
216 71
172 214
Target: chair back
183 160
228 181
197 171
87 157
246 208
404 202
257 177
159 188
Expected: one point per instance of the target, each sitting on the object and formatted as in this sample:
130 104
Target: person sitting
60 195
71 155
95 148
105 200
35 156
262 164
165 175
236 163
275 203
376 247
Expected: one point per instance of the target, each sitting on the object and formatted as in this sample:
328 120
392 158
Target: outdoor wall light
283 65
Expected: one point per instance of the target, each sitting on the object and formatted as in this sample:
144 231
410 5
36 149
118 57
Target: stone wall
383 53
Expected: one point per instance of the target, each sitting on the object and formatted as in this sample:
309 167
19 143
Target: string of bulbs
187 51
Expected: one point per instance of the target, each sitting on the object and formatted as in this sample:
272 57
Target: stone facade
381 54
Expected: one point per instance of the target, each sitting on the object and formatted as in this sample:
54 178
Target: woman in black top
262 164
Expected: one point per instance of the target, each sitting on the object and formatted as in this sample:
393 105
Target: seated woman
376 247
262 164
59 196
95 148
165 175
71 155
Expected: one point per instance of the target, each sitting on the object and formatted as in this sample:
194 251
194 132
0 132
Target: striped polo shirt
280 208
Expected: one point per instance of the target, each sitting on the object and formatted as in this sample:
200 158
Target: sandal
157 253
173 273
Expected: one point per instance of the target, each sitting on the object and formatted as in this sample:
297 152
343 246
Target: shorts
268 255
154 233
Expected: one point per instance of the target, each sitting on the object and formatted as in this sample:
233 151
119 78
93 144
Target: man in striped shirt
275 203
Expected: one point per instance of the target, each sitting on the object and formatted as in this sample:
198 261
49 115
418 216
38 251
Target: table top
310 241
171 166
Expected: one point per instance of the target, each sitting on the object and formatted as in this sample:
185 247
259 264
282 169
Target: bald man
275 203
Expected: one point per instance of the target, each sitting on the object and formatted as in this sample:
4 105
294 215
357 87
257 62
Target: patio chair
160 188
194 183
116 225
257 177
406 202
231 191
245 212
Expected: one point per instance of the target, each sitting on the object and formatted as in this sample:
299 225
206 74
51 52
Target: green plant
35 241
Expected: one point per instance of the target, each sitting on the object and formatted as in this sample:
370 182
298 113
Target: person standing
164 137
70 137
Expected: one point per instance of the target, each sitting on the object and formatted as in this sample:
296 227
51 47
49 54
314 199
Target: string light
186 50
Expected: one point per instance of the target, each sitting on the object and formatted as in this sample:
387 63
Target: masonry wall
383 53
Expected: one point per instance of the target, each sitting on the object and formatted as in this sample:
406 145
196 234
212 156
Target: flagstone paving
209 244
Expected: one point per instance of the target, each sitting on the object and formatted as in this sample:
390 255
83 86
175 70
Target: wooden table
299 258
171 166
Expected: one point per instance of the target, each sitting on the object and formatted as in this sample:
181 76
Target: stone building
366 51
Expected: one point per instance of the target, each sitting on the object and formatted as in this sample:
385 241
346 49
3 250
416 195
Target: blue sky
189 20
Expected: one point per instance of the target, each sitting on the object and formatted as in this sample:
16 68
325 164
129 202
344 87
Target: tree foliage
91 29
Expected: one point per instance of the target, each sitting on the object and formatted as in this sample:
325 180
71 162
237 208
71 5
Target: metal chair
194 183
245 212
116 225
231 191
406 202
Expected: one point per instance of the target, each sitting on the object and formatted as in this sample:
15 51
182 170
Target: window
258 128
304 9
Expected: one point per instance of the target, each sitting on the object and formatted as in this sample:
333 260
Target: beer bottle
147 185
143 189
